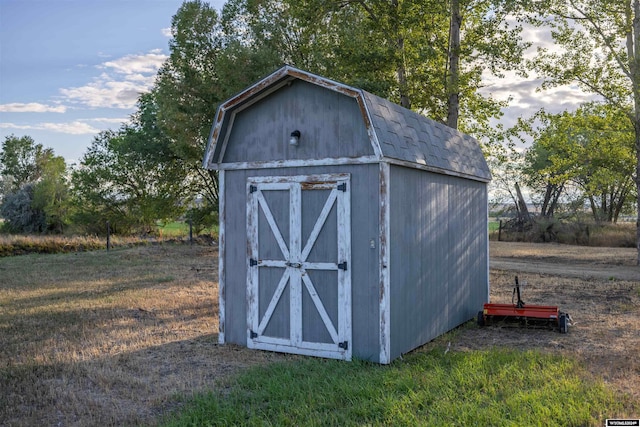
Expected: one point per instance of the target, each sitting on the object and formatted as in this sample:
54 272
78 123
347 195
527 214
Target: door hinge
253 189
342 187
252 334
344 345
343 266
252 262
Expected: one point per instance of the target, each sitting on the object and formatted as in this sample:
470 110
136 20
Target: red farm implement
524 315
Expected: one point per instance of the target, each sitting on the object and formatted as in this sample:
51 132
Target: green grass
181 229
496 387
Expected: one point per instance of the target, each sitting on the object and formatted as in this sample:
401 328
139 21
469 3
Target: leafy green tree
597 46
541 175
130 177
36 195
51 193
431 62
591 148
205 67
20 214
21 161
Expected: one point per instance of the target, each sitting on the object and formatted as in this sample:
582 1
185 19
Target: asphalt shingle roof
406 135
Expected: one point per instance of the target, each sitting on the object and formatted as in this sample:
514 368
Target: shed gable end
330 123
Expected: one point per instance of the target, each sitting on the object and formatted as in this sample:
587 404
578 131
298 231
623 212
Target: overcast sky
71 68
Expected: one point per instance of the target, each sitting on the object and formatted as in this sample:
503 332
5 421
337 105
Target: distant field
21 244
181 229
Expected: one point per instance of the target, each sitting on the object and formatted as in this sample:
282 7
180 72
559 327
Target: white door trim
295 264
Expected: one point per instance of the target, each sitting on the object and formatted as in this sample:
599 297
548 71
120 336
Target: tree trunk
637 177
522 206
551 197
453 98
546 200
554 200
634 67
401 71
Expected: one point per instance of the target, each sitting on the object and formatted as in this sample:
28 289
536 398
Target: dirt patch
567 261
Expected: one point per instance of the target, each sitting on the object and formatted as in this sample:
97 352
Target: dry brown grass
564 254
20 244
573 233
605 310
115 338
109 338
605 336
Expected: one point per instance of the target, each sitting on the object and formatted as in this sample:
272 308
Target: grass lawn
127 337
494 387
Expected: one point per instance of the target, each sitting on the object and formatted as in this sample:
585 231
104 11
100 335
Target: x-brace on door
298 266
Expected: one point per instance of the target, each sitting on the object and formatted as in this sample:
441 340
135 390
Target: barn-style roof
397 135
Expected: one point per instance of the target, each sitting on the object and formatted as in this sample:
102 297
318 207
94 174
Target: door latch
293 264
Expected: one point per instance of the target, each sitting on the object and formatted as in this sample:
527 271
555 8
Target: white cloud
14 126
107 120
31 107
121 82
72 128
167 32
106 92
525 95
132 64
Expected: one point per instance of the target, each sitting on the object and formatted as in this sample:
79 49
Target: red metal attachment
524 315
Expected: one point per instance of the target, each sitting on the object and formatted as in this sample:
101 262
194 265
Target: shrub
546 230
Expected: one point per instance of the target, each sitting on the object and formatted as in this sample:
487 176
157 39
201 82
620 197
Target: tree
35 187
430 62
597 47
205 67
543 177
21 161
130 177
51 193
591 148
19 212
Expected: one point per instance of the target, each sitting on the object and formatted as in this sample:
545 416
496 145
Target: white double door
298 267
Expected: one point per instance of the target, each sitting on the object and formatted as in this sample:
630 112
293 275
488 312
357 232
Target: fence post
108 236
500 231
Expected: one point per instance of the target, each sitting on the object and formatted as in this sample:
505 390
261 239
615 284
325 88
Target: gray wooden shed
349 226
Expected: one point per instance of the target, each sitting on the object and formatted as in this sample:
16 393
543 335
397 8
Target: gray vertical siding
438 247
364 259
330 123
434 224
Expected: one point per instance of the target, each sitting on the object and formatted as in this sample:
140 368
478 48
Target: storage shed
349 226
